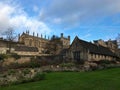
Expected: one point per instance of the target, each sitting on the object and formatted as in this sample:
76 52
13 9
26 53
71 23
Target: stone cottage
83 50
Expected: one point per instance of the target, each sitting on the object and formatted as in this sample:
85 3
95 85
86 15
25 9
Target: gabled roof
26 49
97 49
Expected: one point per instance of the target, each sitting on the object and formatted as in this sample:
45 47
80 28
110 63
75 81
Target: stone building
34 41
83 50
31 45
5 45
111 44
26 50
45 45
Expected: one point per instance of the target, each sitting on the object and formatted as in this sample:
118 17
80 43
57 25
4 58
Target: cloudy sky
88 19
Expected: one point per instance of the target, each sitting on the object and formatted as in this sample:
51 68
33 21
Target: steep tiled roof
97 49
26 49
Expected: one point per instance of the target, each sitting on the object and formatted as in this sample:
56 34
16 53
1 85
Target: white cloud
72 12
15 16
4 16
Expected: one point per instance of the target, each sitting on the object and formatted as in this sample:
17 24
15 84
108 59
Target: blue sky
88 19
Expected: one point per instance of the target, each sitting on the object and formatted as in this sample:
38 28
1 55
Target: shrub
67 64
13 66
16 56
34 63
20 77
113 61
3 56
104 62
11 72
39 76
26 71
47 71
81 62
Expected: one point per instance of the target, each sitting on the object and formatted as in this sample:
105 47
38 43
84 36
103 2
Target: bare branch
10 34
10 37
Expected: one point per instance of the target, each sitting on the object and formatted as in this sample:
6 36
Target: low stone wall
76 68
17 76
13 60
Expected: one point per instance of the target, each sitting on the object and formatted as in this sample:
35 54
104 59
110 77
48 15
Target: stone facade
44 44
31 45
111 44
83 50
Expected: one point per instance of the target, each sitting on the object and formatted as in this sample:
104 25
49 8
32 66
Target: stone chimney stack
18 36
53 36
45 36
33 33
41 35
61 35
28 32
68 37
37 35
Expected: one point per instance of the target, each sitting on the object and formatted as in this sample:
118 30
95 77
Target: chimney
68 37
45 36
37 35
109 40
33 33
53 36
28 32
61 35
18 35
41 35
48 37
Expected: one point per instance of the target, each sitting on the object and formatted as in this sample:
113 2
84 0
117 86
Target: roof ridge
93 48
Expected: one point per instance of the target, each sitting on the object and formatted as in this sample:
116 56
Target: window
76 55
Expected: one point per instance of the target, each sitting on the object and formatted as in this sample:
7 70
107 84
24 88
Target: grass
97 80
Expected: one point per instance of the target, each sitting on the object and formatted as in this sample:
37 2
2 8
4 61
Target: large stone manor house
37 45
45 45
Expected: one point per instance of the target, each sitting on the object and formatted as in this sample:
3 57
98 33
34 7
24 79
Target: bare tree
10 37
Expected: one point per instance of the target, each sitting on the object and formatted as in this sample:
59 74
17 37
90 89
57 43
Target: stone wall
25 53
98 57
3 50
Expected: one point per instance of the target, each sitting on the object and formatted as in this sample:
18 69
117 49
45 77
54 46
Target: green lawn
97 80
